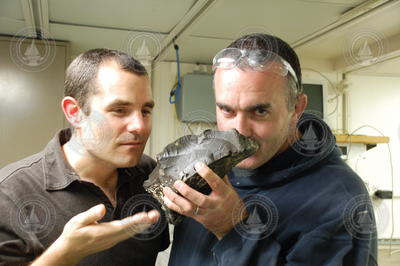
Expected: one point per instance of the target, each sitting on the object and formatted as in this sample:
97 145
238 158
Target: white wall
375 101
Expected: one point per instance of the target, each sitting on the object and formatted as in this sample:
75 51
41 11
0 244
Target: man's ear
72 111
300 106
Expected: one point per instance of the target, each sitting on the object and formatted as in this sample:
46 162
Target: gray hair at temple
80 80
261 41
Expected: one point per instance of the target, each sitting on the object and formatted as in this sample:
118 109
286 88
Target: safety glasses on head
258 60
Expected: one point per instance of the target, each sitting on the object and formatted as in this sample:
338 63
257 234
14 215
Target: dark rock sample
220 150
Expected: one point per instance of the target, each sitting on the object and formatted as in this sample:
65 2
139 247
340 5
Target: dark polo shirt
41 193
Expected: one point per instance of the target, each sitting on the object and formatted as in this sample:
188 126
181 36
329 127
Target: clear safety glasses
259 60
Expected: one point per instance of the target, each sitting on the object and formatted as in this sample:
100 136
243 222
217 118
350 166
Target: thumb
90 216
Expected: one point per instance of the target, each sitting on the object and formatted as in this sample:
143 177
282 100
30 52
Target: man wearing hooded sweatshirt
294 202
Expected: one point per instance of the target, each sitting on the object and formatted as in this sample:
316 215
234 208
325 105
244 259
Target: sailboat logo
32 56
364 222
262 219
144 46
143 54
309 142
31 222
254 224
34 217
365 53
363 219
364 48
311 136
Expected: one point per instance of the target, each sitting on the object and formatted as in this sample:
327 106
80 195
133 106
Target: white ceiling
159 16
319 29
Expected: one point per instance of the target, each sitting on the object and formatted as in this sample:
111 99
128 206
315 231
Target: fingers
146 218
227 182
191 199
83 236
217 185
194 197
153 216
214 181
176 202
137 223
90 216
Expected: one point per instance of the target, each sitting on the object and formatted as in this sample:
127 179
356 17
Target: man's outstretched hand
83 235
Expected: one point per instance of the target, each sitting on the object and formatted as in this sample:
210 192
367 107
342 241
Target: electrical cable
175 93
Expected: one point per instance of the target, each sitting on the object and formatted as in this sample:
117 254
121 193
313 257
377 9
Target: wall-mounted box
196 102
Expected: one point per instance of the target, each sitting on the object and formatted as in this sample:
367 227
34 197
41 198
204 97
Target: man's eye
261 111
147 112
119 111
226 110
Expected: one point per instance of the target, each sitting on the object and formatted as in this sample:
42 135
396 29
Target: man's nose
136 123
243 125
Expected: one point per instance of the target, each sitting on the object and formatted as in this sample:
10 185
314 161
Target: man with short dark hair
294 202
81 200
